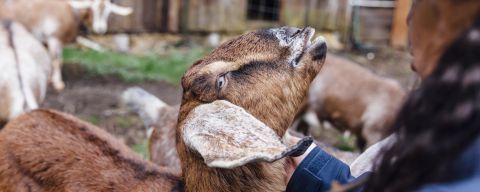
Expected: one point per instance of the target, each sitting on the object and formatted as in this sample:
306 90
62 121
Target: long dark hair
437 122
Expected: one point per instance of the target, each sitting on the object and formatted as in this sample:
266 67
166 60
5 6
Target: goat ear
80 4
226 136
120 10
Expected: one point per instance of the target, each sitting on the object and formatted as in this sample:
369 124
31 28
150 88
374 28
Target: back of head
438 121
434 25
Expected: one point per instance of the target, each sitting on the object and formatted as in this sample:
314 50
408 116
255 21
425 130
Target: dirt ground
96 99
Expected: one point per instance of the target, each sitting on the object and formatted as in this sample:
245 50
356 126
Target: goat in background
226 92
26 67
57 22
355 99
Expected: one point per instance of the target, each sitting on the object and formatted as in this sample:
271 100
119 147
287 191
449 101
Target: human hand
293 162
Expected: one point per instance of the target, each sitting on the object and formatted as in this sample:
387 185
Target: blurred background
154 45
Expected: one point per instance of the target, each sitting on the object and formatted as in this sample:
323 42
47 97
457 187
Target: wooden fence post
399 36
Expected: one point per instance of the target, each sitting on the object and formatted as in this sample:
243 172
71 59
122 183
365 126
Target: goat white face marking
100 16
297 42
222 66
101 10
281 36
219 66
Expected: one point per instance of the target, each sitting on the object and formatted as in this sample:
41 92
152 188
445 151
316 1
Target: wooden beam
293 12
174 11
399 35
216 16
373 4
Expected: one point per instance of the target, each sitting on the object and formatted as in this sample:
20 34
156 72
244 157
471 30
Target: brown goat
239 72
353 98
45 150
49 151
267 73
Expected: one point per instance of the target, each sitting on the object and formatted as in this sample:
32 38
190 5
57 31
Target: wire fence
266 10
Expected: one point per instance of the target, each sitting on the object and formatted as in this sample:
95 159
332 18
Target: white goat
25 70
57 22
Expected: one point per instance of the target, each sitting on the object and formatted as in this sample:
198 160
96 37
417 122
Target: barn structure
365 21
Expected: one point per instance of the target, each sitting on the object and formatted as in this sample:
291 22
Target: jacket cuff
317 171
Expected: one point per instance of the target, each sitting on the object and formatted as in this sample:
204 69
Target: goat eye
221 82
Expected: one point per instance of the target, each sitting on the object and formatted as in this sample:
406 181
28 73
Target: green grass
346 143
142 149
132 67
125 122
93 119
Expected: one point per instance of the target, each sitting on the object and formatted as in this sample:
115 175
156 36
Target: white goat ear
76 4
226 136
120 10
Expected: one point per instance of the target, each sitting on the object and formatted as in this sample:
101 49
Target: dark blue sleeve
466 185
317 171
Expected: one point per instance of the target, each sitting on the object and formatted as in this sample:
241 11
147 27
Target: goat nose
322 50
319 51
